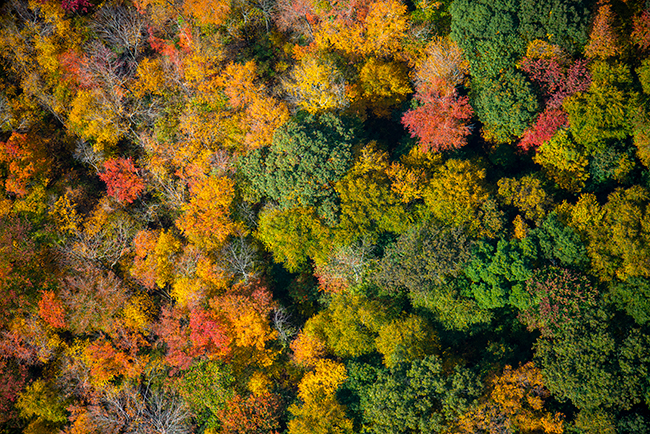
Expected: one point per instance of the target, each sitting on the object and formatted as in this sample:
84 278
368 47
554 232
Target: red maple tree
122 178
440 122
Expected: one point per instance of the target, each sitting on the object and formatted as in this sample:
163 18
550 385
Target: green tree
498 272
564 161
427 261
562 23
206 387
487 31
308 155
506 104
632 296
560 242
596 367
417 398
424 256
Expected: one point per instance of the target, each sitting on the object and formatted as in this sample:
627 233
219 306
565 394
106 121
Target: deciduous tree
603 111
456 195
123 180
206 218
308 154
252 415
515 403
441 121
603 40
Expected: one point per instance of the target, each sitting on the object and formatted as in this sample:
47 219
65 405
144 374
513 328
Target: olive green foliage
452 305
619 244
405 340
633 296
564 161
206 387
527 195
614 164
369 207
43 401
351 324
457 195
423 257
604 111
308 155
427 262
294 236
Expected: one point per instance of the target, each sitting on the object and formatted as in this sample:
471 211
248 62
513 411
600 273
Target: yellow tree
457 195
208 12
384 84
405 340
385 28
318 411
563 162
206 218
316 85
515 404
369 203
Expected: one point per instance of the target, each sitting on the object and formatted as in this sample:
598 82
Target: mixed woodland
324 216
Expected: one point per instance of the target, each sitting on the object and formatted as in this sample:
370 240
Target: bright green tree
498 272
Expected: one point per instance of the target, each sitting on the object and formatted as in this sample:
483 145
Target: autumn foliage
123 179
252 415
440 122
324 217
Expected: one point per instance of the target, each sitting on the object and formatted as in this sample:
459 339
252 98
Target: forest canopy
324 217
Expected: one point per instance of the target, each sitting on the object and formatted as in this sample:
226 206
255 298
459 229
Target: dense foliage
306 217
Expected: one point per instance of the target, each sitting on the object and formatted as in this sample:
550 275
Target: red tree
76 5
440 122
547 124
641 33
557 81
12 382
203 336
51 310
122 179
